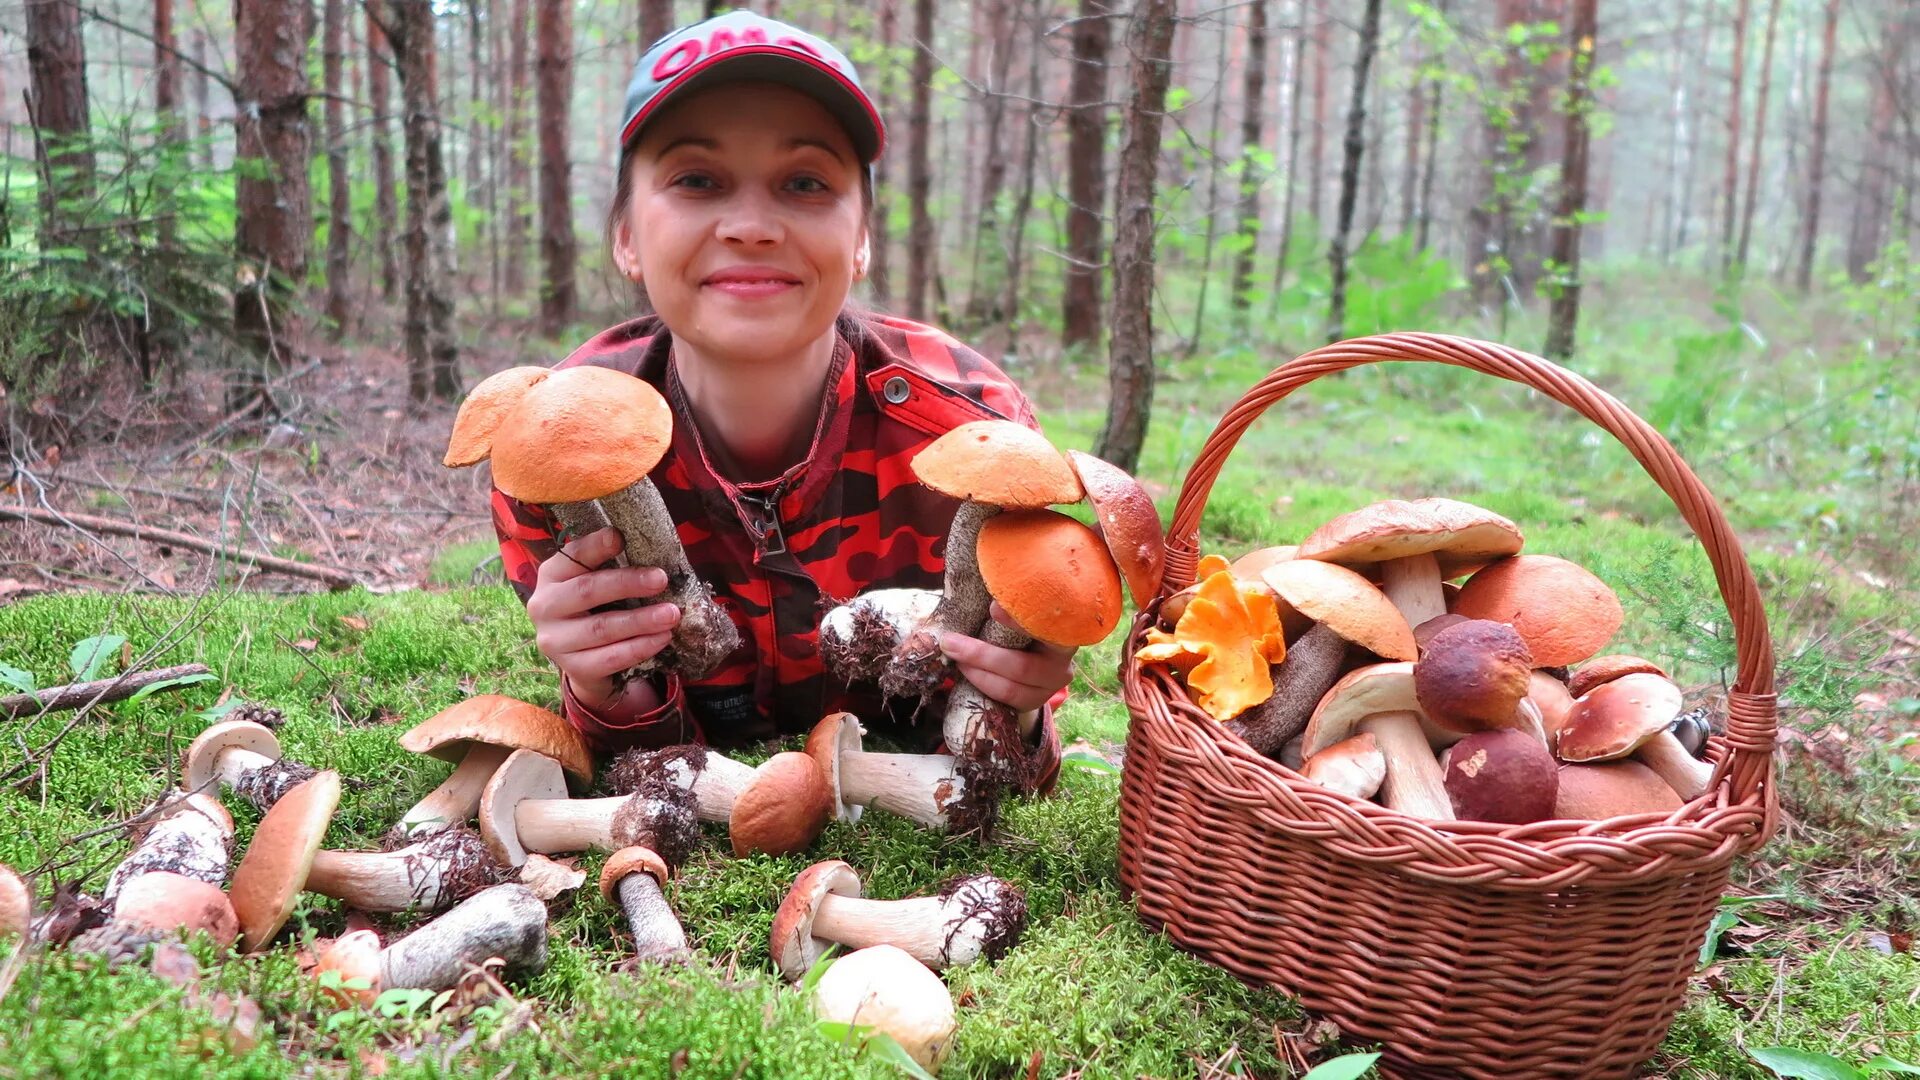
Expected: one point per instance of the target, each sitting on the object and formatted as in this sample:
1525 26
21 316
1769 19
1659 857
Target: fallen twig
73 695
335 577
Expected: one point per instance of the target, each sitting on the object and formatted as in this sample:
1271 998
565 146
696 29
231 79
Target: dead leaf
375 1061
173 963
305 645
549 878
351 534
353 622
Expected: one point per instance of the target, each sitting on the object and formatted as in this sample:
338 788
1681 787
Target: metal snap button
896 390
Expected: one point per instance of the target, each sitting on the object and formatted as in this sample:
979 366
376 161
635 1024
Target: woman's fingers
608 660
1024 679
563 636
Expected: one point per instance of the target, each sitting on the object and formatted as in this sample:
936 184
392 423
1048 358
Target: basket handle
1752 712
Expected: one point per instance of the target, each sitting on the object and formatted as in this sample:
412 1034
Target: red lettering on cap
723 39
796 43
678 59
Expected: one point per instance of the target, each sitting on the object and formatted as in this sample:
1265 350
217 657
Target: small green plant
1344 1067
1785 1061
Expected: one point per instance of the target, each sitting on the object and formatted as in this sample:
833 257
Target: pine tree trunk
1676 129
1430 165
166 96
339 185
1251 178
57 105
519 167
274 202
880 272
1759 135
1296 69
554 74
920 165
202 100
431 356
1731 178
1211 206
984 285
656 19
1130 347
1817 163
386 201
1871 206
1416 131
1023 198
1317 154
1504 137
1086 173
1563 313
476 98
1350 170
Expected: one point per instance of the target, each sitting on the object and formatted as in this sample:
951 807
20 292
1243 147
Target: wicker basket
1550 950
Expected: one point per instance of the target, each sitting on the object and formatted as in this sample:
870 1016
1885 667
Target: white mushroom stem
555 825
428 875
918 786
1684 773
964 724
657 933
457 798
715 786
981 915
190 839
507 921
1414 783
259 779
1413 584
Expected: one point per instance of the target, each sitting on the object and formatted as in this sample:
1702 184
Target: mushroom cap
1354 767
355 955
487 404
1052 575
526 774
202 763
1360 693
886 989
1565 613
1343 602
1000 463
1505 777
1598 792
1426 630
1613 719
1129 524
792 943
836 734
16 903
580 433
784 809
631 860
496 720
1253 563
165 901
1472 676
274 870
1457 534
1555 703
1604 669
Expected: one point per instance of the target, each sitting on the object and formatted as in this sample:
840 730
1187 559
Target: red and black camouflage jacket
778 553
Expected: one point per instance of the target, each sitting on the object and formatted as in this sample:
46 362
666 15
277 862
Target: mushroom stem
431 875
259 779
457 798
1355 767
1311 668
1413 584
657 933
972 717
858 637
507 921
1414 784
555 825
190 836
918 664
1685 774
982 915
705 634
716 783
16 904
918 786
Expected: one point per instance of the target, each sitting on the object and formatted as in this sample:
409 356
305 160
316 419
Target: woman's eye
809 185
695 181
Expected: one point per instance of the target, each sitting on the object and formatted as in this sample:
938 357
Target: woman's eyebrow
698 142
802 141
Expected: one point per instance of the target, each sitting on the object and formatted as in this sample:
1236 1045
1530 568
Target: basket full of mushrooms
1393 770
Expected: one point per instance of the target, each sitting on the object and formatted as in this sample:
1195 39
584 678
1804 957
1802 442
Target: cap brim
811 77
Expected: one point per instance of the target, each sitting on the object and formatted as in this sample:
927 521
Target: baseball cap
743 45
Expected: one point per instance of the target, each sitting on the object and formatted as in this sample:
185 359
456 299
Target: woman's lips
752 288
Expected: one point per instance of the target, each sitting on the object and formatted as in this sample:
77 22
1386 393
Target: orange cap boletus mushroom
479 733
927 788
784 809
1128 522
487 404
274 870
1564 612
1416 545
973 917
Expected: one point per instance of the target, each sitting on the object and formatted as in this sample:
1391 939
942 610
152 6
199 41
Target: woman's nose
750 219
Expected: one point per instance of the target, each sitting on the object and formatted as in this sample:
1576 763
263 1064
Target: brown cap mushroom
245 756
1416 545
1341 600
784 810
1604 669
1615 789
1379 700
479 733
1505 777
1550 696
793 943
635 878
1564 612
832 740
274 870
973 917
16 904
1473 676
1354 767
1128 523
1628 715
889 991
166 902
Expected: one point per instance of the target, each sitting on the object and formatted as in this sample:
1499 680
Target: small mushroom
505 921
889 991
1633 714
991 465
1615 789
928 788
857 638
581 442
1416 545
479 733
189 835
244 756
1353 767
16 904
525 808
160 903
1693 728
636 879
1506 777
970 918
1564 612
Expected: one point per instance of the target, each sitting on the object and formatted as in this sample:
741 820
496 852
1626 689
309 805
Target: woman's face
745 221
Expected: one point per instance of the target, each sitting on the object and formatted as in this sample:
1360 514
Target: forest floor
1801 419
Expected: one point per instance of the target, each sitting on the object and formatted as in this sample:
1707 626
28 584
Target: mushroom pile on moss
1380 678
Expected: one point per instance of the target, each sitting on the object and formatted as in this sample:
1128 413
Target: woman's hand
591 647
1023 679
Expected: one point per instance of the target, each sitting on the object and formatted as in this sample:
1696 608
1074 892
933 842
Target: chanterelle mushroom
505 921
889 991
1564 612
581 442
970 918
244 756
1633 715
992 465
1416 545
479 733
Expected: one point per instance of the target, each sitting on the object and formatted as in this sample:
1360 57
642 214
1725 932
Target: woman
740 208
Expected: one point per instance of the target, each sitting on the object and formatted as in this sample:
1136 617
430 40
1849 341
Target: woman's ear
626 254
862 256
